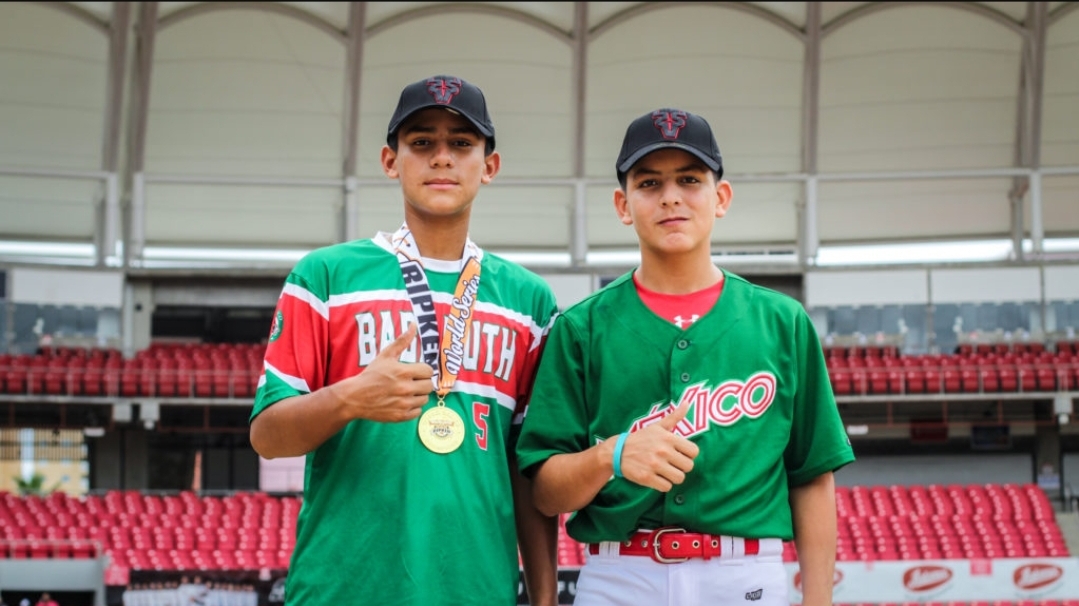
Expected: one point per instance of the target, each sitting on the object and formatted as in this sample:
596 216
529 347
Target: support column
808 237
127 322
145 34
138 313
136 238
1029 122
578 212
350 210
108 251
1048 472
1038 13
1037 227
108 229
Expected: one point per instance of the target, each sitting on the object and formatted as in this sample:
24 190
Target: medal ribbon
444 355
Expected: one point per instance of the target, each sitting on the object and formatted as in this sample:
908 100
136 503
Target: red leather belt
673 545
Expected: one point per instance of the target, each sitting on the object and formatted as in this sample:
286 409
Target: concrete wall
54 575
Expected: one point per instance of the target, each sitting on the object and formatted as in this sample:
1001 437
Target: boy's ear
725 193
621 206
389 162
492 163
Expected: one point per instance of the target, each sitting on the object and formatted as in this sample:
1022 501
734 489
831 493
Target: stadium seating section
225 370
973 369
232 370
244 531
946 522
250 531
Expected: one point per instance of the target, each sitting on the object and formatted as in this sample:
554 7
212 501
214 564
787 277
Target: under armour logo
753 596
669 122
444 90
679 320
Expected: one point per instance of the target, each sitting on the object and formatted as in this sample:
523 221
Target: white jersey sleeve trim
540 332
301 293
486 391
367 295
296 383
390 294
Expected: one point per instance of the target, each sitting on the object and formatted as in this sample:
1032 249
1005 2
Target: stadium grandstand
909 171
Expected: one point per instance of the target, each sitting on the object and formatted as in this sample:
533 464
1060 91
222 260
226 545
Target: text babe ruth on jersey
491 347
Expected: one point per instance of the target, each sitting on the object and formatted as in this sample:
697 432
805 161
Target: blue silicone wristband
616 460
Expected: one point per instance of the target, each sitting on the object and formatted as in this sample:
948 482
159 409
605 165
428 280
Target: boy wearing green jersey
400 366
684 414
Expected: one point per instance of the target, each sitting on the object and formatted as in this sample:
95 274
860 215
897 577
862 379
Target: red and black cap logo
443 89
669 122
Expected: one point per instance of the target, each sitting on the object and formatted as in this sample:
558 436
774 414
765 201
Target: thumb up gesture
655 456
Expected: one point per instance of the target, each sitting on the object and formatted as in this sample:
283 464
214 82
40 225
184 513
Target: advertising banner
951 580
894 581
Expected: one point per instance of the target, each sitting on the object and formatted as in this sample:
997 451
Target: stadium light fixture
967 251
69 254
536 258
153 254
601 258
17 248
1060 245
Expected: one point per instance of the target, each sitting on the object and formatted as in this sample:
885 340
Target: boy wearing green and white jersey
400 366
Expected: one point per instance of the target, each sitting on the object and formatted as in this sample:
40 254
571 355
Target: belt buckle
656 546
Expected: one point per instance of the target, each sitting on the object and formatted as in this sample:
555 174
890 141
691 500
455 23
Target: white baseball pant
610 579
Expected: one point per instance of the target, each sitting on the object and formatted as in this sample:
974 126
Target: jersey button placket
680 361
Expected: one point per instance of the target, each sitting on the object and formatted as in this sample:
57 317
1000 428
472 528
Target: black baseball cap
447 92
668 128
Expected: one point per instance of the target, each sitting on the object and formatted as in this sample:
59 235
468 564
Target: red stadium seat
222 382
93 380
1046 378
167 378
933 382
859 381
841 382
970 379
1028 380
18 550
1009 377
15 379
878 381
951 378
990 379
915 380
130 382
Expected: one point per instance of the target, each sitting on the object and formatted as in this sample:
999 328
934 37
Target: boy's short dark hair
445 92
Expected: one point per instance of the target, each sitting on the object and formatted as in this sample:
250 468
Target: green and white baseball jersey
384 520
763 413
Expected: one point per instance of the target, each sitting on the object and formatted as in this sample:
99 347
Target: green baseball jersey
384 520
762 411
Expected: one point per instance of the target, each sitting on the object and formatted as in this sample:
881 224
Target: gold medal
441 429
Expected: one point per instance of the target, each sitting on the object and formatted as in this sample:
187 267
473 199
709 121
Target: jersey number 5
479 417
